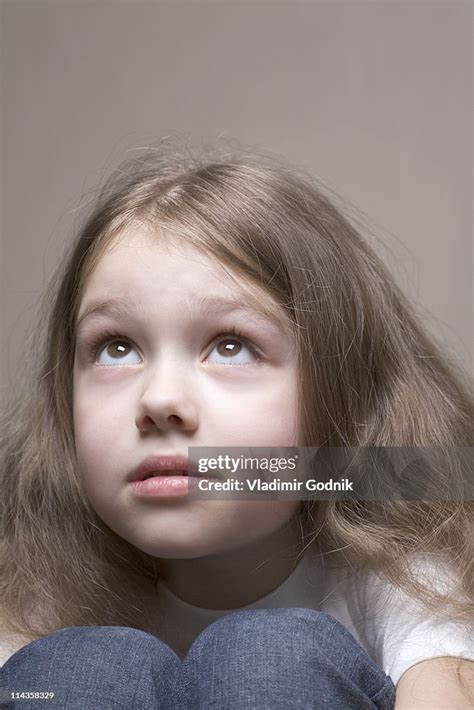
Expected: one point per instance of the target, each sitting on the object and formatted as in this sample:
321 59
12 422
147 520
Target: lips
165 473
170 465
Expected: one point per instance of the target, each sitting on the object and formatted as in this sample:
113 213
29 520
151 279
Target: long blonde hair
369 376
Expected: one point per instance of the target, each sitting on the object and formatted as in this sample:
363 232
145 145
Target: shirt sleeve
401 632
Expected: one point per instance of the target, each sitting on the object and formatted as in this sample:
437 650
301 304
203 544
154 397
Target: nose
166 403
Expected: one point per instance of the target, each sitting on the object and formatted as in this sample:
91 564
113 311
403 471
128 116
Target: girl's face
160 379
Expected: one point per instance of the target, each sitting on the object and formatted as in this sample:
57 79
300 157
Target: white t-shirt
394 629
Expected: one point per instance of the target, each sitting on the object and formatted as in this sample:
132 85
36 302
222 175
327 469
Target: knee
292 632
100 643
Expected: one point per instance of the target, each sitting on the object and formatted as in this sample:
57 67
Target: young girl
221 299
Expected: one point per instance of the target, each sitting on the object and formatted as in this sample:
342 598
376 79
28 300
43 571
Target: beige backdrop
375 98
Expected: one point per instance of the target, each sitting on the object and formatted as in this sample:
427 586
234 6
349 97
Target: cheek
95 433
96 410
272 415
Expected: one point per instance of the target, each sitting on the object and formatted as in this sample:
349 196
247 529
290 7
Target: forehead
140 260
154 256
150 268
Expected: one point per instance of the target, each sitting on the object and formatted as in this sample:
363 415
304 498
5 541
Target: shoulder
400 631
377 594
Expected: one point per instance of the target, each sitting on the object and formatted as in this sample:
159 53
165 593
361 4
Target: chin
181 550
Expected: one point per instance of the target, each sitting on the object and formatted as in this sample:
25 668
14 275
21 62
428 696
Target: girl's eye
116 353
232 348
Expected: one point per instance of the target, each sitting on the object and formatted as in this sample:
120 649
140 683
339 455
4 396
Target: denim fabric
259 659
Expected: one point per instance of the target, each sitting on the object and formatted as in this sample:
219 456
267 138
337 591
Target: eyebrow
206 305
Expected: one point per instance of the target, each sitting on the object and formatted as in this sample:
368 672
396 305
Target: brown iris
229 346
120 348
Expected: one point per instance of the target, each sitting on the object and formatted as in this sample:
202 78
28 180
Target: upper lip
161 464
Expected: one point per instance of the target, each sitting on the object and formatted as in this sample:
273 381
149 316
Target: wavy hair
370 376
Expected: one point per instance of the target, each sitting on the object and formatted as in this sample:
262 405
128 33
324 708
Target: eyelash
108 336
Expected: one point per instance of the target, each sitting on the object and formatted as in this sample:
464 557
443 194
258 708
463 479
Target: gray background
374 98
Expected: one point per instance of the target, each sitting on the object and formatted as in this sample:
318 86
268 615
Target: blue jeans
259 659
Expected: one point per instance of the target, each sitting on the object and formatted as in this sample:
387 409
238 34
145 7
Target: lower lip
164 486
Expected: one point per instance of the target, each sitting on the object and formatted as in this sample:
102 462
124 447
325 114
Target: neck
238 577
